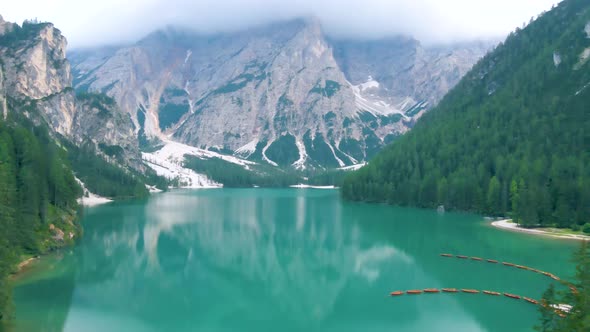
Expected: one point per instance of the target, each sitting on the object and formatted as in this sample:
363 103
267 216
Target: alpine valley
496 130
268 106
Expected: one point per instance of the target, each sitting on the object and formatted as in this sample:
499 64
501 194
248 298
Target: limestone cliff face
284 93
407 72
35 69
291 92
99 120
39 69
35 72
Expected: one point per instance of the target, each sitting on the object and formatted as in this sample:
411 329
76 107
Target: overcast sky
98 22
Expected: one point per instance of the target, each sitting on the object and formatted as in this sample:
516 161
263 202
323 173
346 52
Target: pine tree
578 296
493 196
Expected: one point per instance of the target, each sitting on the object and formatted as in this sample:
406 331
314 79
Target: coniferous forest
38 191
37 198
511 139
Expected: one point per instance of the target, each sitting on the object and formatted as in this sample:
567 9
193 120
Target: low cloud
93 23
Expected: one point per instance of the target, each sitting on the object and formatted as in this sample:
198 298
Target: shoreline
306 186
93 200
25 263
505 224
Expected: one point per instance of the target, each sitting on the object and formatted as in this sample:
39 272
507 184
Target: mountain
282 94
37 73
410 77
510 139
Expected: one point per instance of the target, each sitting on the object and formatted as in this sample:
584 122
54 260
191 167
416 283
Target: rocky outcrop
281 93
38 69
99 120
407 72
5 27
36 74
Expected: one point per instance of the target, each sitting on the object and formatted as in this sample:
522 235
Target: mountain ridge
241 93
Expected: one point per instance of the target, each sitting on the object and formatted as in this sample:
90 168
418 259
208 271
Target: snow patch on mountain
370 83
352 167
169 162
583 58
300 163
172 170
352 159
178 150
365 100
265 158
556 59
247 149
88 198
340 162
188 56
582 89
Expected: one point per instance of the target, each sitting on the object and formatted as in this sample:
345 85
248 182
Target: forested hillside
37 198
512 138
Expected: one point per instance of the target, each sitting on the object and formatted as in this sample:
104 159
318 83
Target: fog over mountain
430 21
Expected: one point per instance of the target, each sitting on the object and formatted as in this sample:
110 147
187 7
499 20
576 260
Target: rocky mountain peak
5 27
313 24
35 60
281 93
35 72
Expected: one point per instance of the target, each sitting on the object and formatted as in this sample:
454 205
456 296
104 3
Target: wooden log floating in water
450 290
512 296
470 291
522 267
559 309
487 292
431 290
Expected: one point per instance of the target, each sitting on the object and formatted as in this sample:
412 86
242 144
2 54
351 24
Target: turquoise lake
283 260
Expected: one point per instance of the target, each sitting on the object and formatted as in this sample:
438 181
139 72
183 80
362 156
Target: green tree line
236 176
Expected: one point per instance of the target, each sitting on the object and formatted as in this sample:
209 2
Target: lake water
282 260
